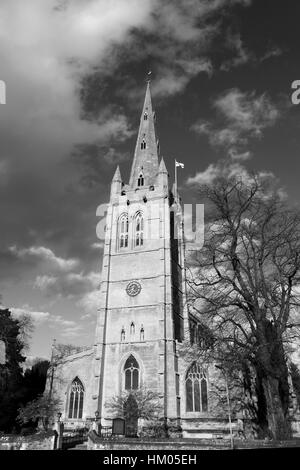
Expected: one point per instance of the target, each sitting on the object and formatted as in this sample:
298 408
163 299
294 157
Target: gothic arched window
139 230
143 144
123 231
76 399
131 372
196 389
145 117
141 180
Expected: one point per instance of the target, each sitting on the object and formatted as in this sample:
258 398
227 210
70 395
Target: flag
179 164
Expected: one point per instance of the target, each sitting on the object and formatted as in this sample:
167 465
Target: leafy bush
153 429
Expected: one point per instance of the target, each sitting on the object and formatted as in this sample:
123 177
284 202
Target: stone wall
96 443
34 442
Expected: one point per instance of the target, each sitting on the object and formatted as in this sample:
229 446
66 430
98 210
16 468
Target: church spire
145 163
116 184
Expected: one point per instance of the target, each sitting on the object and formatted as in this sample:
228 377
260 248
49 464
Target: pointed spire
162 167
145 160
163 176
117 175
116 184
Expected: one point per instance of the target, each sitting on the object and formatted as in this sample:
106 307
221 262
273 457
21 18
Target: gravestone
118 427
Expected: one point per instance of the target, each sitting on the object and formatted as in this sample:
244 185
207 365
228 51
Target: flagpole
175 180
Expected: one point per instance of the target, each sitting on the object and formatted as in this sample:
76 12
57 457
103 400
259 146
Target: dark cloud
97 163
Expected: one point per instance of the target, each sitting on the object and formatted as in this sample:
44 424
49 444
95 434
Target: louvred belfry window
76 399
141 180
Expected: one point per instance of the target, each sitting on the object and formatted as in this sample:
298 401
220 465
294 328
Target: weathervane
148 79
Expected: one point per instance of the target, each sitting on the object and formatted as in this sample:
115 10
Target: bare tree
244 286
26 330
60 352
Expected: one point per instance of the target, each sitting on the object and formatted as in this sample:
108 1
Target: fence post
97 423
59 428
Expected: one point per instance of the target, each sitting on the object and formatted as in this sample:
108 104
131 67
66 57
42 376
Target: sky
75 76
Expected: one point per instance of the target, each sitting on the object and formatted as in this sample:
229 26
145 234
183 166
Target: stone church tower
141 312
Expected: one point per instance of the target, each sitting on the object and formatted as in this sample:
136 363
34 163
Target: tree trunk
271 363
278 423
261 406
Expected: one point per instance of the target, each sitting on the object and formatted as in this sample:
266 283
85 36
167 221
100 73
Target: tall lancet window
196 389
123 231
139 230
131 372
76 399
141 180
143 144
145 117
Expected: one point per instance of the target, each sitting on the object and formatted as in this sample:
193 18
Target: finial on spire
117 175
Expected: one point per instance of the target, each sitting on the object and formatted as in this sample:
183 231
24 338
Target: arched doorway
131 416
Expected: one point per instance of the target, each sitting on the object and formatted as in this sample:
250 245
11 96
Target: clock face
133 288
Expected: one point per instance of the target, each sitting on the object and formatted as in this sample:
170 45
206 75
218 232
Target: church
143 318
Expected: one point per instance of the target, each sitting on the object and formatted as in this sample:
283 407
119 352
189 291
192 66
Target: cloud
245 111
90 304
72 332
44 254
275 51
92 158
225 169
204 177
241 117
241 55
97 246
45 282
60 321
67 328
176 40
172 81
239 156
67 285
48 47
38 317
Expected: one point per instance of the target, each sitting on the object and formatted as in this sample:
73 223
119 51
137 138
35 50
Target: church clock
133 288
